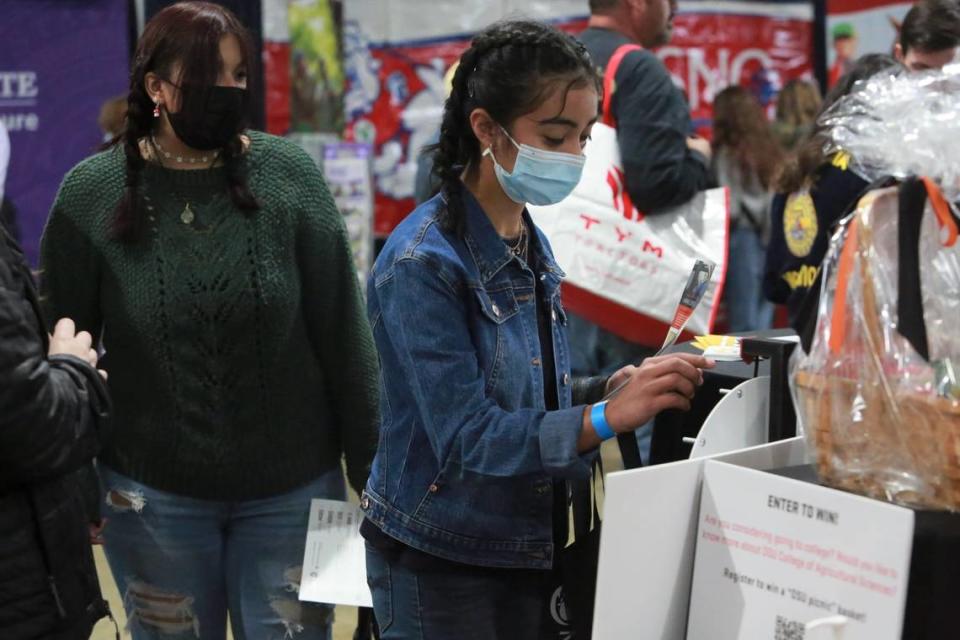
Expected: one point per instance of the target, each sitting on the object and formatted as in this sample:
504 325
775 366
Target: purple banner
60 60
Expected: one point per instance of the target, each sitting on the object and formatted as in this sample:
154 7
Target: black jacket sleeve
49 408
653 123
589 390
8 218
775 288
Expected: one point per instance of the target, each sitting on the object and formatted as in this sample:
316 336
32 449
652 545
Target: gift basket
877 391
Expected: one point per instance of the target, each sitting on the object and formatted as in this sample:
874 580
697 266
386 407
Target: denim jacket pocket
512 508
494 337
497 305
432 489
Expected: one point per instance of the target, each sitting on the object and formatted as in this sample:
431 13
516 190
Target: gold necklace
187 216
519 248
180 159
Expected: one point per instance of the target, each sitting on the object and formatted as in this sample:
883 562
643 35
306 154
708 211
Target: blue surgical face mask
539 177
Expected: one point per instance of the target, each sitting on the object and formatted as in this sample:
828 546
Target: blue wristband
598 416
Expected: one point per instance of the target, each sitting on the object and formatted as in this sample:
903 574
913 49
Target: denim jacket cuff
559 434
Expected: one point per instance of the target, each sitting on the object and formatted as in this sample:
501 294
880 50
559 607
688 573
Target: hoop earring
156 110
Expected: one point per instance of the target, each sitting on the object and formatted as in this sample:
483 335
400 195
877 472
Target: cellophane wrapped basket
882 419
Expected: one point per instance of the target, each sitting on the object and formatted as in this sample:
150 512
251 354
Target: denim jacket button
365 503
496 310
566 379
434 488
535 362
553 314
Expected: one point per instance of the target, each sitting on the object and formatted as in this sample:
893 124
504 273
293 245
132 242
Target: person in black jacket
51 402
8 213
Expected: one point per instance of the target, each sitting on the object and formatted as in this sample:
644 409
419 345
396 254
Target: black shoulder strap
910 321
910 316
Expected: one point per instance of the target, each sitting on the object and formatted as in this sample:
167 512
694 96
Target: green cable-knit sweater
240 359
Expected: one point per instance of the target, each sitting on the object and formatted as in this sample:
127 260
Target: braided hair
510 69
188 33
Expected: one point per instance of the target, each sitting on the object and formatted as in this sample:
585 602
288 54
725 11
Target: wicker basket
873 435
870 455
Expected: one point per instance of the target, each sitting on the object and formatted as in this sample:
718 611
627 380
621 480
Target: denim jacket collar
488 249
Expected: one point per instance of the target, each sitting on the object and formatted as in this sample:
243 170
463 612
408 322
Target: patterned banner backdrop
395 61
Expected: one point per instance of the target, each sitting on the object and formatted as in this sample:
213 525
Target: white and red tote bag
625 270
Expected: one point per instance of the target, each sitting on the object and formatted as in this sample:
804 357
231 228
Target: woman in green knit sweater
213 264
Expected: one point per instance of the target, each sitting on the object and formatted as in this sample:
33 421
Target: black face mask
209 117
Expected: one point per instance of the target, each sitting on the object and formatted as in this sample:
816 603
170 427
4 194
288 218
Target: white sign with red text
780 558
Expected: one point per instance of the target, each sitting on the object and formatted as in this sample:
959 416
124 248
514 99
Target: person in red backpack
664 164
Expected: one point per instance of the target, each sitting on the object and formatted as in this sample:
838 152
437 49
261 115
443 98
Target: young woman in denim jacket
479 414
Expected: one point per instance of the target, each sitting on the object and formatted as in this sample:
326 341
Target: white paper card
649 530
334 560
775 554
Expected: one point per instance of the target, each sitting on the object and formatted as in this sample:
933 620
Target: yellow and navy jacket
802 223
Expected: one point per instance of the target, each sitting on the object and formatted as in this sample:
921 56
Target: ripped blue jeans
182 564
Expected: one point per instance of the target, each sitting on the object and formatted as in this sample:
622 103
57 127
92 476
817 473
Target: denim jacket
467 454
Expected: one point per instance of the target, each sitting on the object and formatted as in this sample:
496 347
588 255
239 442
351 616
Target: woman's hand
66 341
658 384
96 531
620 378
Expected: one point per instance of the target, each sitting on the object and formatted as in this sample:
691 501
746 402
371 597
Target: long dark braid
235 168
127 222
508 70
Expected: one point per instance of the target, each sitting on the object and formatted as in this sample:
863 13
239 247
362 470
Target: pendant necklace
187 216
519 247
